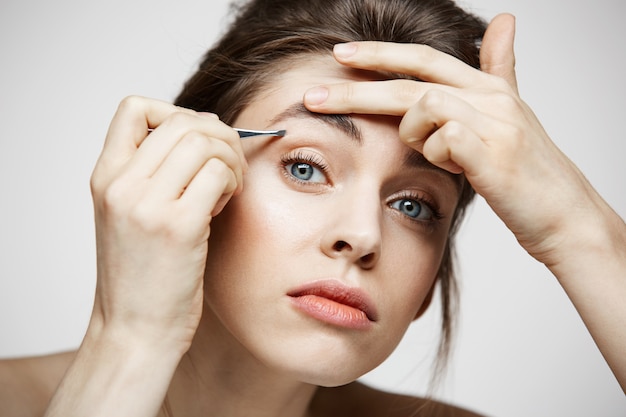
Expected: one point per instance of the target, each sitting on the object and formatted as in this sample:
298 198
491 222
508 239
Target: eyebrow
343 122
417 160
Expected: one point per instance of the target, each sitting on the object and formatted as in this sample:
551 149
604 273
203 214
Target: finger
457 149
210 189
421 61
437 126
364 97
183 163
157 146
497 55
437 108
129 127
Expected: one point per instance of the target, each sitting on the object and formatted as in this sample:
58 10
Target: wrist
143 331
116 373
592 245
130 337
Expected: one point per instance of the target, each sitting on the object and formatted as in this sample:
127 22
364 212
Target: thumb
497 56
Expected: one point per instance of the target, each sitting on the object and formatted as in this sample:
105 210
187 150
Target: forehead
280 105
291 80
281 98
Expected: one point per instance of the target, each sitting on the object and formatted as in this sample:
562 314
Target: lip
335 303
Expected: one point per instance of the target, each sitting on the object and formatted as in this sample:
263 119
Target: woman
320 258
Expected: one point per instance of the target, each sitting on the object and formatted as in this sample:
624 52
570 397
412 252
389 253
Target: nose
354 230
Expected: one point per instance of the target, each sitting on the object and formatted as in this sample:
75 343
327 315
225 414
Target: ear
426 302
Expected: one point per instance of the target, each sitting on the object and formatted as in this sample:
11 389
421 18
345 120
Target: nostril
362 257
340 245
368 259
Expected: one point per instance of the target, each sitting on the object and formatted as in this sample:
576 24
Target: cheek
411 268
259 228
265 219
245 255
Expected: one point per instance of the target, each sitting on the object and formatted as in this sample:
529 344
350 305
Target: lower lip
332 312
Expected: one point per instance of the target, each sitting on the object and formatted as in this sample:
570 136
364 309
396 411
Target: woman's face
318 267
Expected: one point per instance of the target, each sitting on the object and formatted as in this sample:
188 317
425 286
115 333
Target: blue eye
413 208
305 168
302 171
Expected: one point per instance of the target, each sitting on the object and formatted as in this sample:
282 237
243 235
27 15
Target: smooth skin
150 196
465 120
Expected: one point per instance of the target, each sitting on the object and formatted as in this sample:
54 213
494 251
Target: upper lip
340 293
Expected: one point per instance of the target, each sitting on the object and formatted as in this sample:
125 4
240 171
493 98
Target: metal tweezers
248 133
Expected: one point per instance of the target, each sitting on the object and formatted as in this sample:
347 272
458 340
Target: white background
522 350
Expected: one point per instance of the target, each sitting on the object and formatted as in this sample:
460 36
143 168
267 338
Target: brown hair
267 35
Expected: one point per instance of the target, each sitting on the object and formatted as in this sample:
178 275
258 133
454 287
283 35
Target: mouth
334 303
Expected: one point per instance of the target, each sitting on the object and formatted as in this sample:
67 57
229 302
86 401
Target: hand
471 121
154 197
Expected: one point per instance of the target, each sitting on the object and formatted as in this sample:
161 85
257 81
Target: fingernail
344 50
316 95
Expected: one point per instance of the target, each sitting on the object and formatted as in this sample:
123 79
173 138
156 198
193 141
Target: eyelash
302 157
316 161
430 205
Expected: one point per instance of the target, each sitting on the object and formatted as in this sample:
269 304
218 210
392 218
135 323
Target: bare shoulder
357 399
28 383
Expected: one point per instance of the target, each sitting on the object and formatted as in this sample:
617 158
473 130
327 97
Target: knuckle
177 118
131 103
96 183
114 197
433 150
231 184
506 102
516 136
433 99
231 137
218 167
146 218
452 132
195 141
222 171
501 84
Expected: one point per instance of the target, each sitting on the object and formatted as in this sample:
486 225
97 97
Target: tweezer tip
246 133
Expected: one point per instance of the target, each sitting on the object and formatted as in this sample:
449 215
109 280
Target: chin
329 377
326 360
